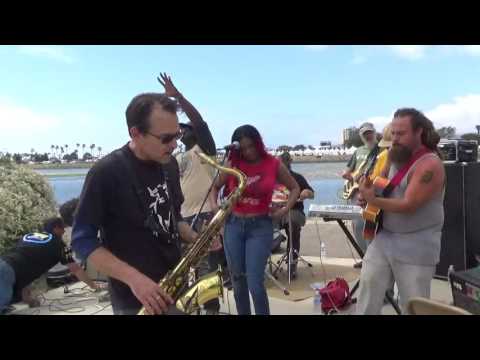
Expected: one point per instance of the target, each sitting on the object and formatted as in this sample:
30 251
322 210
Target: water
324 178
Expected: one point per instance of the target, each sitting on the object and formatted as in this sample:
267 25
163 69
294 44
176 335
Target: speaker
460 234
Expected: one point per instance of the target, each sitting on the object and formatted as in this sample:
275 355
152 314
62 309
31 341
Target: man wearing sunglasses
133 197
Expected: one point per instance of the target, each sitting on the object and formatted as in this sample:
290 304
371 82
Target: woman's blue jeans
248 243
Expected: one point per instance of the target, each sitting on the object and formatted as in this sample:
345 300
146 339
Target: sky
293 94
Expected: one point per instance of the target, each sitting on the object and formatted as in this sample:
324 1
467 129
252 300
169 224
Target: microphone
233 146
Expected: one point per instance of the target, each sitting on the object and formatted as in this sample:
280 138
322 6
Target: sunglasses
167 138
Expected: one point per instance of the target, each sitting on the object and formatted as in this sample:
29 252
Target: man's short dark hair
141 106
52 223
67 211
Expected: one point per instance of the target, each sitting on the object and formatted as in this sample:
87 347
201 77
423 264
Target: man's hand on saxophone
187 234
152 297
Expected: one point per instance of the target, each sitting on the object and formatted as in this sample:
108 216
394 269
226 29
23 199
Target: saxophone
210 286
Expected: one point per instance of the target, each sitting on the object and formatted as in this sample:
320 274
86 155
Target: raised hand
170 89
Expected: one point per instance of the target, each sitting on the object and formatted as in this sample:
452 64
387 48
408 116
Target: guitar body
372 214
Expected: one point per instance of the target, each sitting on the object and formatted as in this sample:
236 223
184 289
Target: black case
459 150
466 289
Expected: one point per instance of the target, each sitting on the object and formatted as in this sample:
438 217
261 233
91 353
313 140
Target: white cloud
463 113
472 49
409 52
316 47
15 118
359 59
378 121
57 53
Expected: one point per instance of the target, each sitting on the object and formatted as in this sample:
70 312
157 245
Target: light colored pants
378 273
357 226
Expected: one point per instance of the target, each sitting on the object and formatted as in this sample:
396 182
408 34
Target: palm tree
66 148
61 150
91 148
57 155
99 150
83 150
53 149
78 146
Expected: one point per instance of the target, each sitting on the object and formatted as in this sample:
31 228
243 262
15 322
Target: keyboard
342 212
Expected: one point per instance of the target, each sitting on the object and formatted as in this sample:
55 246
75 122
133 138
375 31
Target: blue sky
292 94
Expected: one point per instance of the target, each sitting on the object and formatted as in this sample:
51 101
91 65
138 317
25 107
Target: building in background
348 134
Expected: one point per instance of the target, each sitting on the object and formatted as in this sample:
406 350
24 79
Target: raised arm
200 127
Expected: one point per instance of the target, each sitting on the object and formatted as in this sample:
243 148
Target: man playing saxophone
133 197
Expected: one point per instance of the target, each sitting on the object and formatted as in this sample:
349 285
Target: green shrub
26 199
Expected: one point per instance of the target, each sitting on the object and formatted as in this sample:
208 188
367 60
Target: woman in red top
248 230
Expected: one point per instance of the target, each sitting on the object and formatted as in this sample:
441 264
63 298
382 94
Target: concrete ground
81 301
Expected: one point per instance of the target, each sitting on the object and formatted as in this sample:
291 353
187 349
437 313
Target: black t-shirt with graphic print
34 255
110 202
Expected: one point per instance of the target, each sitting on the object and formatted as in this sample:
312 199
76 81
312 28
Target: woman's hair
247 131
430 138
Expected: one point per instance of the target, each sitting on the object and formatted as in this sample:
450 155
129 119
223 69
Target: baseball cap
186 126
366 127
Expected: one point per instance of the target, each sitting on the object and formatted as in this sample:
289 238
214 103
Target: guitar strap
397 179
372 158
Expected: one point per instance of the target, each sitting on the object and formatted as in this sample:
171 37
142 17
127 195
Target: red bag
335 295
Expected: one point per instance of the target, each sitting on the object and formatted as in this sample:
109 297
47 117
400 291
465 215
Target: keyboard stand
361 254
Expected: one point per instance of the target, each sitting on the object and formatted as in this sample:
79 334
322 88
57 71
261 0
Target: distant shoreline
307 159
79 165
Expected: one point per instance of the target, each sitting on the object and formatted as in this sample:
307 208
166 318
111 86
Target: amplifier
459 150
466 289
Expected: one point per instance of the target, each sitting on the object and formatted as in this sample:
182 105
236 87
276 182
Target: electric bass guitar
351 186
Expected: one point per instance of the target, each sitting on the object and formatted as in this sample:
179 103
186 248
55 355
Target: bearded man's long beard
399 155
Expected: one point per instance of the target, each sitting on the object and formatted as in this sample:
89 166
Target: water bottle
317 301
323 250
450 271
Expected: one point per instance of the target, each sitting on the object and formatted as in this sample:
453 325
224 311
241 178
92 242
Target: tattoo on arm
427 177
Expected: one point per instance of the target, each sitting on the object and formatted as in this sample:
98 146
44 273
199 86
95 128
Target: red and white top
261 181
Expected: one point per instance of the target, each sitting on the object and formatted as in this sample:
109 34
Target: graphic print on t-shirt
159 205
251 190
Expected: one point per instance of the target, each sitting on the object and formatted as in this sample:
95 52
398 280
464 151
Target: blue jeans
214 259
7 281
248 243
